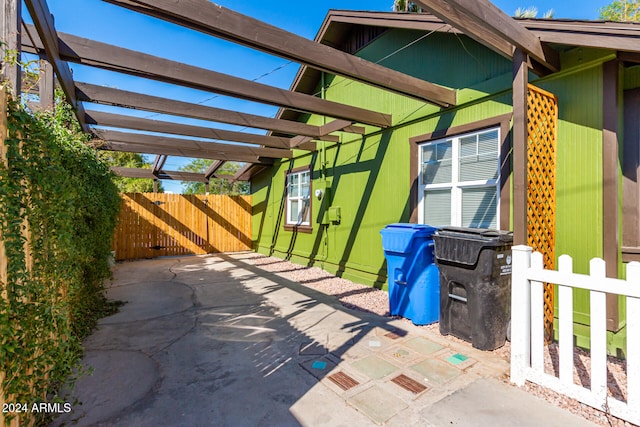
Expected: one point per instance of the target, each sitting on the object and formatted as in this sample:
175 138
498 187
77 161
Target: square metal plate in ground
344 381
459 360
395 334
319 368
409 384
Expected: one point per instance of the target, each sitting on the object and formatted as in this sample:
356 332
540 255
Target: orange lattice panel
541 197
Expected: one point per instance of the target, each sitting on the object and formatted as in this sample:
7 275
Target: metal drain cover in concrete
409 384
343 381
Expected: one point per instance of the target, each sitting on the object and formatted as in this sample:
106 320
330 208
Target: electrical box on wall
334 214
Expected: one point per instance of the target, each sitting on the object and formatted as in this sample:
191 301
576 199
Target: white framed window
299 198
459 180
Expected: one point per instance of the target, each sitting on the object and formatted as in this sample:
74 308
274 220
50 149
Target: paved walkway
214 341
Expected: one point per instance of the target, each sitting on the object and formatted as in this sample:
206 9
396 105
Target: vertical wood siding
579 174
369 177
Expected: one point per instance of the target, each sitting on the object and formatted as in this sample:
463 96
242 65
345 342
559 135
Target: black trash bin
475 284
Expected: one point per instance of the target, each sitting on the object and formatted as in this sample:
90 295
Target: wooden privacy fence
156 224
527 329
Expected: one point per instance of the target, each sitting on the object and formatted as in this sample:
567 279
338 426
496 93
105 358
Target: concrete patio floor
213 341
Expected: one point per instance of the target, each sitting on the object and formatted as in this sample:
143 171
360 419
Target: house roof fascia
617 35
547 29
424 21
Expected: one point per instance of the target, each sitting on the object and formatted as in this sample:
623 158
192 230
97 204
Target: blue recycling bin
413 277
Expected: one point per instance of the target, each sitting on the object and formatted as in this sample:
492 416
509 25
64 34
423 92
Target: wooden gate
542 127
156 224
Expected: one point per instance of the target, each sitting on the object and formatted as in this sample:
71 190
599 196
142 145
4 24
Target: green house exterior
371 178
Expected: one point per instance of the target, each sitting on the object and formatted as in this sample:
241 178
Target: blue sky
101 21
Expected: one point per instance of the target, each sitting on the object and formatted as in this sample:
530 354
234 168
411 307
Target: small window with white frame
459 180
298 211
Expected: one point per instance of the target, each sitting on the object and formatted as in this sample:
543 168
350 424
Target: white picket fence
527 329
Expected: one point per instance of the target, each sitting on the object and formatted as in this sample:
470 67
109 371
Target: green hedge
55 190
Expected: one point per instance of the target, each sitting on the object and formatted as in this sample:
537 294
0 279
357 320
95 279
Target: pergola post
519 141
610 165
11 43
46 85
610 182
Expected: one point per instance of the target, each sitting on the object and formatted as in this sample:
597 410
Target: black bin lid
484 234
462 245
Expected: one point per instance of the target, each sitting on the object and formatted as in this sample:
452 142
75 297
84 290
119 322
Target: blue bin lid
398 237
401 227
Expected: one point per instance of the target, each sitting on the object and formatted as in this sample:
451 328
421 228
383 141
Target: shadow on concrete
220 343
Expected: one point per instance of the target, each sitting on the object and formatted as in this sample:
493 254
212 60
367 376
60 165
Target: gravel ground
365 298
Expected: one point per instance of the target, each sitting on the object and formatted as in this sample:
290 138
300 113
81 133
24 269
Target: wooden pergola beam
165 175
632 57
470 26
486 22
133 172
10 35
213 168
305 143
512 31
334 126
182 176
101 55
158 163
210 18
129 122
225 176
248 171
47 38
162 141
110 96
180 152
359 130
